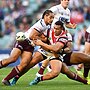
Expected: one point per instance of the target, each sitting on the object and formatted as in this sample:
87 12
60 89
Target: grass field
59 83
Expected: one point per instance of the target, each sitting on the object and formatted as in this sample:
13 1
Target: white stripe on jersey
53 39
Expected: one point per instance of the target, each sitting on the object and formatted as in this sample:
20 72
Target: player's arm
37 35
55 48
69 44
70 25
68 48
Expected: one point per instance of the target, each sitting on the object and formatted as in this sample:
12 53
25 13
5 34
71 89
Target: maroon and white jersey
87 35
88 29
61 38
40 26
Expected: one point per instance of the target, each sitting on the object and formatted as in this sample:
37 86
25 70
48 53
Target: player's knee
55 73
21 66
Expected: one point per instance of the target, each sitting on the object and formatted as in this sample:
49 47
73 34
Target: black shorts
24 46
66 59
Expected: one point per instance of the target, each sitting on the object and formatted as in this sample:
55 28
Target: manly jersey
87 35
60 14
88 30
40 26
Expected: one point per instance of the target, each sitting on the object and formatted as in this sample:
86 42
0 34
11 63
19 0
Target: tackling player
24 48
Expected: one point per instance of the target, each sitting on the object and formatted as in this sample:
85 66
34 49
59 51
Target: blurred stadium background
19 15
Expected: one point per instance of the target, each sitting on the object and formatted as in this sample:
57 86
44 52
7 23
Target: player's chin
50 23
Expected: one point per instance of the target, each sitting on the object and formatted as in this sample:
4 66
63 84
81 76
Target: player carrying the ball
24 48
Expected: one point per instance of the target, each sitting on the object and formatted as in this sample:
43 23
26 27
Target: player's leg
15 53
86 66
86 70
25 59
43 67
65 70
79 68
77 58
36 59
56 66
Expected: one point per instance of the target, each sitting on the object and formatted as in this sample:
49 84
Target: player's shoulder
63 34
38 22
68 10
56 6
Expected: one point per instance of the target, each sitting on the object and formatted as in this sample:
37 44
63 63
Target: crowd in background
19 15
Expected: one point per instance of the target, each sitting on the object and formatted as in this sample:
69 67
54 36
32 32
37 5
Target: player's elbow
56 50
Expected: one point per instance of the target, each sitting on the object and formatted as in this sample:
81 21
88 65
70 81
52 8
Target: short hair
60 23
46 12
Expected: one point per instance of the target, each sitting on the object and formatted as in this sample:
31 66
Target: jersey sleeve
53 9
63 40
38 27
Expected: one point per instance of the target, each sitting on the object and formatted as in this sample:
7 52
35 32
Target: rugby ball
20 36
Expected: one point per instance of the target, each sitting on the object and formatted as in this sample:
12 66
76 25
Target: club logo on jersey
63 19
49 38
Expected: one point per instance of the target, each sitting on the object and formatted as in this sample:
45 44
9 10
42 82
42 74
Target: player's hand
37 42
74 26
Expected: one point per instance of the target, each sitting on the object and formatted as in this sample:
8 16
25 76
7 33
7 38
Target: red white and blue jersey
62 38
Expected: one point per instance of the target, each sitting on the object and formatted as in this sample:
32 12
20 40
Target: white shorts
49 55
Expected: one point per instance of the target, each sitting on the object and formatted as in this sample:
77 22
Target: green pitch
59 83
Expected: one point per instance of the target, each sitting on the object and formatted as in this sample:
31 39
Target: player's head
48 16
58 27
64 3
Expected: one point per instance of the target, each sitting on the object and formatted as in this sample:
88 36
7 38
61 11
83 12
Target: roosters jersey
61 14
61 38
40 26
88 30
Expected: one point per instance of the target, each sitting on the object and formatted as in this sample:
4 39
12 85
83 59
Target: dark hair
60 23
46 12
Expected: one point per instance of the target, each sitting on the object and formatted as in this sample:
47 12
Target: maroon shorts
24 46
87 37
